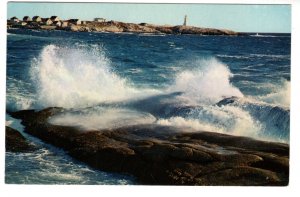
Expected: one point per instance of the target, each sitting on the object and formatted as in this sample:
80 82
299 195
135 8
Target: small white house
26 19
36 19
54 18
57 23
14 20
47 21
101 20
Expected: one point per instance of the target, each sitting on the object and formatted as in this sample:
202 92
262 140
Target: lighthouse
185 20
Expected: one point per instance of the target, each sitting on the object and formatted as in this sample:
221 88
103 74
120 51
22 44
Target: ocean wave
208 81
271 56
82 76
79 77
280 94
231 120
268 36
17 37
18 96
151 35
254 56
233 56
275 120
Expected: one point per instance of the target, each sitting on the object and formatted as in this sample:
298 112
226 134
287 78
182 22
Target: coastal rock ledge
16 142
160 155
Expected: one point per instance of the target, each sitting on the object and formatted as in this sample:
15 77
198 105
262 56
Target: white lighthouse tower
185 20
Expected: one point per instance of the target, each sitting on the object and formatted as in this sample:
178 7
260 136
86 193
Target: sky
241 18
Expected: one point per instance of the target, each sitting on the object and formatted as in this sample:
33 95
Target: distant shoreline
76 25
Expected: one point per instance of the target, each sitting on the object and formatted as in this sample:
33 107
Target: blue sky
243 18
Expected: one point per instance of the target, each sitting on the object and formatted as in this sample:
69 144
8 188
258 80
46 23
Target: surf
78 77
82 80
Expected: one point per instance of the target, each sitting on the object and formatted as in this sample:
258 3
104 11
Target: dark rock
167 155
15 142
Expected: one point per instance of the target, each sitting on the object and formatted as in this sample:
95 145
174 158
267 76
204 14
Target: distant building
75 21
54 18
185 20
14 20
36 19
57 23
26 19
64 23
47 21
101 20
83 22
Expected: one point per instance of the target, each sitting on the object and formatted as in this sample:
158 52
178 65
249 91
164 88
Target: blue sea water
112 80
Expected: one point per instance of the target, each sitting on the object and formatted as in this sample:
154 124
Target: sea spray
257 64
102 118
227 119
207 82
82 77
78 77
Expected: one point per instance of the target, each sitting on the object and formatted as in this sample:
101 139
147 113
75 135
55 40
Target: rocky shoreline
16 142
160 155
118 27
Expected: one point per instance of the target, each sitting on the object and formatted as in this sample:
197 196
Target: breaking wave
18 96
208 82
78 77
280 95
199 97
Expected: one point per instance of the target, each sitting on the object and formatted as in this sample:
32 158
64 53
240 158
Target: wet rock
16 142
164 155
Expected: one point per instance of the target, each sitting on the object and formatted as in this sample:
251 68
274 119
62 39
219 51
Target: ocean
238 85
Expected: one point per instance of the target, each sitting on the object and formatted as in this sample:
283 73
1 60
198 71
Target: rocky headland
117 27
75 25
163 155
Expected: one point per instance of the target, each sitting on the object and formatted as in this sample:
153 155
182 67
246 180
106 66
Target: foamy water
50 165
208 82
233 85
79 77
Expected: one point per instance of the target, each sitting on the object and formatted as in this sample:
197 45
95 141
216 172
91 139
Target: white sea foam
248 56
271 56
233 56
208 82
151 34
78 77
103 119
227 119
81 76
280 94
268 36
17 95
